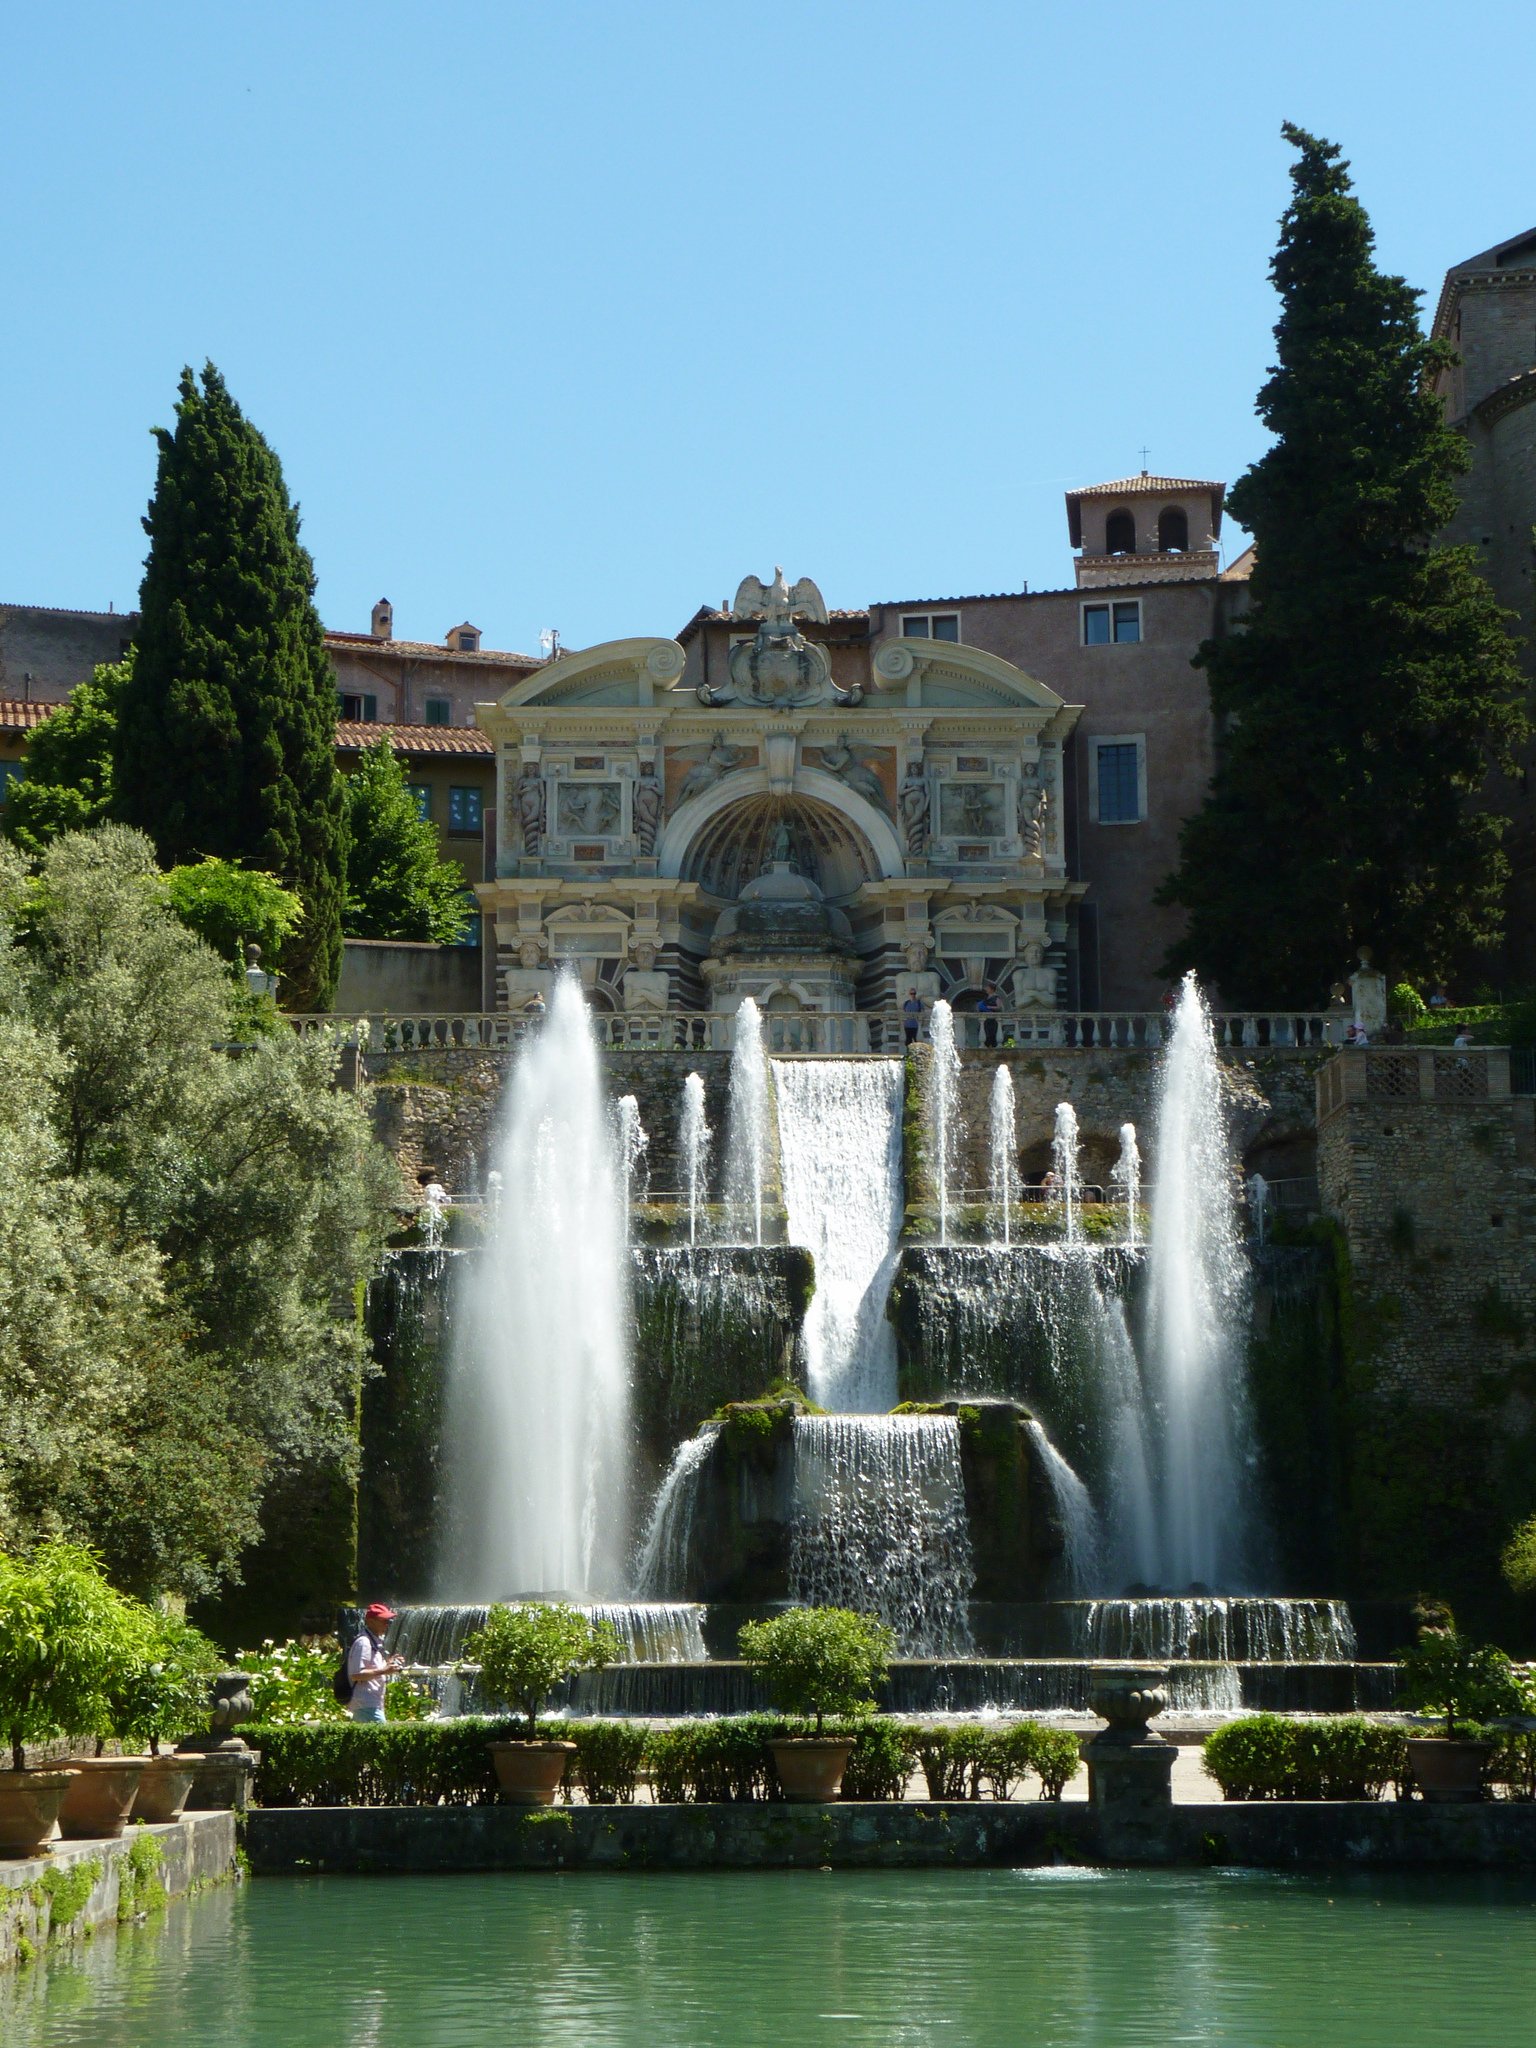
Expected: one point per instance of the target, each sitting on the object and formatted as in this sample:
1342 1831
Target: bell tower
1145 529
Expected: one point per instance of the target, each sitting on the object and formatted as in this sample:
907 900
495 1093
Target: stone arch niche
736 845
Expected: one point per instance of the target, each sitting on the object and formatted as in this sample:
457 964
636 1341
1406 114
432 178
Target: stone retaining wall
198 1850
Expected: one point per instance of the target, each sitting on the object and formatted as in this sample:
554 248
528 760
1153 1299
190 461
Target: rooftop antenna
549 643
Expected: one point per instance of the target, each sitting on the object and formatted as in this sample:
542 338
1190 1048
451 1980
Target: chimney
383 624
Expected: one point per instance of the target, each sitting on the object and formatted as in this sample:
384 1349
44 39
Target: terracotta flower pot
164 1788
97 1805
29 1809
529 1773
1448 1772
811 1767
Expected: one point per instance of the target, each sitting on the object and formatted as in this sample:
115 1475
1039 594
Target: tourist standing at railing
912 1015
535 1007
987 1007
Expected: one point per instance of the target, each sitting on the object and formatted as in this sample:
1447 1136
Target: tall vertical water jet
840 1163
1064 1158
538 1384
1005 1164
693 1146
1196 1314
632 1142
1127 1175
943 1108
1131 1514
746 1139
434 1207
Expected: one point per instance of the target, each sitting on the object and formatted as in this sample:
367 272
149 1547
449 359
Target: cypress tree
1373 685
226 729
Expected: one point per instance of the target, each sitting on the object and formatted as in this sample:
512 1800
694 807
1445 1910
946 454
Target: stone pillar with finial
1130 1768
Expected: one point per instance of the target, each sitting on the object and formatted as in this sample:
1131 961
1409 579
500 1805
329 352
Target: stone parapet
123 1880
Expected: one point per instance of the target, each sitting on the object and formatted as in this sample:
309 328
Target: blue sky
572 314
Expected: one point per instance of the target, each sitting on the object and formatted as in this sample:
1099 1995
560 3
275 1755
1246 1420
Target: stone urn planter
97 1805
811 1767
29 1809
1449 1773
1127 1696
529 1773
164 1788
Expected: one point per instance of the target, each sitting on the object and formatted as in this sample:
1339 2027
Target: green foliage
227 724
1266 1756
406 1700
67 786
161 1690
965 1760
230 907
881 1760
139 1886
66 1889
1405 1005
291 1682
819 1660
1466 1683
524 1652
1253 1758
398 887
609 1757
1373 684
64 1634
1517 1560
176 1228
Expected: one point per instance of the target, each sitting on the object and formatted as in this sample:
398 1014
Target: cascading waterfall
944 1108
661 1565
434 1206
1005 1164
1083 1552
1127 1174
649 1631
880 1525
1241 1631
538 1386
694 1135
746 1144
632 1142
840 1161
1064 1159
1197 1309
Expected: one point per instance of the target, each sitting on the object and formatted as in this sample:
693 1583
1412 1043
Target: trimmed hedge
1267 1756
431 1763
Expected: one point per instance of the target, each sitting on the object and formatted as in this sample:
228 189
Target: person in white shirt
367 1666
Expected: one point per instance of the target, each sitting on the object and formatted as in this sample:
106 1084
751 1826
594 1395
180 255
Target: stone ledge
759 1835
199 1850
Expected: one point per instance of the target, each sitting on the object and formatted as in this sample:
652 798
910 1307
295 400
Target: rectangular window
930 626
1095 625
463 809
1118 795
438 711
1128 620
421 795
360 710
1120 621
468 643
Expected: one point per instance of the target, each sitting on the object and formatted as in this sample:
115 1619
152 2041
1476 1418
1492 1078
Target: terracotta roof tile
18 715
1144 485
352 735
416 650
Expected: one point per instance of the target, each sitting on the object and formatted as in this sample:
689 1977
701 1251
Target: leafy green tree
63 1632
226 730
819 1660
177 1226
231 907
397 886
67 785
1374 684
524 1652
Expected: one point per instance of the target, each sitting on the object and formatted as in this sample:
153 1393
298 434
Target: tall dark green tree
1374 684
226 730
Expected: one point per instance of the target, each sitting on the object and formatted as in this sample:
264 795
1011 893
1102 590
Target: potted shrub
523 1653
101 1794
59 1624
817 1661
161 1697
1466 1684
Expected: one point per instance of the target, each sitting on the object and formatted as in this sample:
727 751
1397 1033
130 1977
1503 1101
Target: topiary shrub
609 1756
880 1762
524 1652
1346 1757
954 1761
1254 1758
1054 1756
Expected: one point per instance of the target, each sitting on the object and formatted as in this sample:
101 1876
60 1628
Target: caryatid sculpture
530 808
914 810
646 808
1034 806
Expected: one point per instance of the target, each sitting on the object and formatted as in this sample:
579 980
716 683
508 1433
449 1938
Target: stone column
1130 1769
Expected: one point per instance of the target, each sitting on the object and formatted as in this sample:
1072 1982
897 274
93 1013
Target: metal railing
848 1032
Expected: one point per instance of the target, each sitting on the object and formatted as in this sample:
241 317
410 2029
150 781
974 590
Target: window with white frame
1117 778
1116 621
930 626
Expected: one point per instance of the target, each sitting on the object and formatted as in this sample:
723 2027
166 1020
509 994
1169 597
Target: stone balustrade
810 1031
1413 1073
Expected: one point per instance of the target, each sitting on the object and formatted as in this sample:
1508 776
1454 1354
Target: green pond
1064 1956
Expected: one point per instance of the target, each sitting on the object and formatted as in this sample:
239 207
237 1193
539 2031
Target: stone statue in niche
852 767
530 809
529 952
778 668
646 807
718 762
1034 984
1034 808
914 810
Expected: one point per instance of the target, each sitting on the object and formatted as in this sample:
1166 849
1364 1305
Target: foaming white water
880 1525
840 1163
632 1142
1197 1312
746 1138
661 1565
538 1384
944 1109
1005 1160
693 1139
1132 1515
1083 1552
1126 1174
1064 1159
649 1631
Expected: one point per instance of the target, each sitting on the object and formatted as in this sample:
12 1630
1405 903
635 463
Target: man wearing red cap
368 1667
